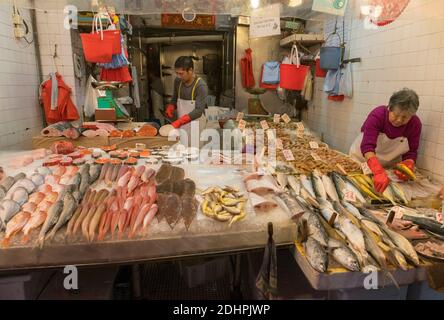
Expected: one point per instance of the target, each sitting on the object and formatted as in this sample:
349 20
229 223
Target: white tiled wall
20 111
407 53
20 115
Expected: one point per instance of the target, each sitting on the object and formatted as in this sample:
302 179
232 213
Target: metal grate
162 281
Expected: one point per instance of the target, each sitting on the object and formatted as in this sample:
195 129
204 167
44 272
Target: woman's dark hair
185 62
406 100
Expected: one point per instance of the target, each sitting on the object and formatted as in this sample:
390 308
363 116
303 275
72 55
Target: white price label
276 118
240 116
315 156
300 126
365 168
288 155
286 118
399 212
314 145
349 196
279 144
242 124
264 125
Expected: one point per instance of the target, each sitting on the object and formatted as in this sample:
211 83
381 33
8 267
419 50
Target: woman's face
399 117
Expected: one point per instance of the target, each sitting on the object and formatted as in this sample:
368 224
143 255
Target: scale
254 104
105 99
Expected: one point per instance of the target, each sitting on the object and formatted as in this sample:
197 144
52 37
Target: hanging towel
266 281
118 60
271 72
136 96
54 91
247 69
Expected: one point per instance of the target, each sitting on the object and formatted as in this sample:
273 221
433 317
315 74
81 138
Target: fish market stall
172 237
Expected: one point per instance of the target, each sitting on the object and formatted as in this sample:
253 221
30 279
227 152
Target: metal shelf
305 39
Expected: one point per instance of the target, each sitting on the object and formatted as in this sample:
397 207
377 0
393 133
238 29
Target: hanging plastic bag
118 60
100 45
293 75
346 81
90 97
331 82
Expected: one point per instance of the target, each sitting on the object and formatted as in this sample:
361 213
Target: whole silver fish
7 183
316 255
51 219
318 186
94 172
84 183
281 179
84 169
291 203
352 209
339 184
354 235
295 184
402 244
351 187
20 195
343 255
315 228
8 209
76 181
399 193
330 188
38 179
77 196
69 206
307 184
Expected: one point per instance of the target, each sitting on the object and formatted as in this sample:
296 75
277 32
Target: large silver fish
295 184
51 219
94 173
69 206
316 255
330 188
339 184
318 186
291 203
315 228
8 209
307 185
343 255
352 209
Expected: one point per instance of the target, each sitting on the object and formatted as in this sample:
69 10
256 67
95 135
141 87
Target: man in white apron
391 134
189 98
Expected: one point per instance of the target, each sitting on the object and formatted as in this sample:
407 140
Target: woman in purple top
389 135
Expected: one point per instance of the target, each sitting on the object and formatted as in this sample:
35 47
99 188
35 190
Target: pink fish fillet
44 206
37 197
29 207
133 183
59 171
36 220
51 197
45 188
14 226
147 175
123 169
150 216
123 180
139 219
121 223
139 171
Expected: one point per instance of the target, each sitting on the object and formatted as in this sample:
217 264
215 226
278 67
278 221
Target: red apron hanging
247 69
66 110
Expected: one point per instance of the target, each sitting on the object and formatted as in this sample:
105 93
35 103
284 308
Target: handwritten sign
264 125
242 124
286 118
314 145
300 126
288 155
240 116
365 168
276 118
349 196
265 22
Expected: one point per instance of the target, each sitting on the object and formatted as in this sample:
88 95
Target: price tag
279 144
276 118
315 156
314 145
438 217
341 169
286 118
240 116
242 124
399 212
300 126
264 125
288 155
349 196
365 168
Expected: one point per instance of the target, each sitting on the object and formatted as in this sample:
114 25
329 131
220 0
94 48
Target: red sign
201 21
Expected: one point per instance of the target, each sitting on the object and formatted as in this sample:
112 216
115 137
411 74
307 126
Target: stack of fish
349 233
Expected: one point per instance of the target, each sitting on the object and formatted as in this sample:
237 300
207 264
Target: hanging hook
54 57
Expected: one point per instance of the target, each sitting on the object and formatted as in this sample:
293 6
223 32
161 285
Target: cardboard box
106 114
